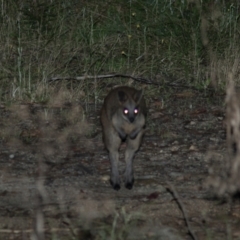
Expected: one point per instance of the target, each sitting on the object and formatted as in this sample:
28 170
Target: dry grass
190 43
168 42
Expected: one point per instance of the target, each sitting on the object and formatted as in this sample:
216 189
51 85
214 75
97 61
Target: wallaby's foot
116 186
129 184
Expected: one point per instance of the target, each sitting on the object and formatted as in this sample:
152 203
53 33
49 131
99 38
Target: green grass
45 39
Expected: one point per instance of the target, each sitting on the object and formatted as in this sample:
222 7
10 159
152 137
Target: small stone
175 143
105 178
11 156
193 148
174 148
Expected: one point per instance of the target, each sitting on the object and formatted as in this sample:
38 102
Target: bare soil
51 170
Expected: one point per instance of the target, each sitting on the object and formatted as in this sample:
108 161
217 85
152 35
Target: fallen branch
172 190
46 230
137 79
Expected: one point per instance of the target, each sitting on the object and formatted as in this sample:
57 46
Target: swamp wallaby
123 117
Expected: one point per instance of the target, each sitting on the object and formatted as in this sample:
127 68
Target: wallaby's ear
122 96
138 96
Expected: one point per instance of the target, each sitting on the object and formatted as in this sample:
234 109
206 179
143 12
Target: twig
38 228
137 79
51 230
172 190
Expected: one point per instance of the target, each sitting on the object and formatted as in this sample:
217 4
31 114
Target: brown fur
118 127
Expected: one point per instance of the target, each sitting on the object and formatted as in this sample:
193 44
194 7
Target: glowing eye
135 111
125 111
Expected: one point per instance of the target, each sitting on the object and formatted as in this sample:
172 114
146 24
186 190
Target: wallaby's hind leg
115 179
132 147
112 143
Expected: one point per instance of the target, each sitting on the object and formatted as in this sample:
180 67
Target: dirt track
183 139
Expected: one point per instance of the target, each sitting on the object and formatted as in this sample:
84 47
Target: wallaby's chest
126 126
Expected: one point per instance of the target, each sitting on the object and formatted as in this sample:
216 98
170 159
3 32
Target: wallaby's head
130 104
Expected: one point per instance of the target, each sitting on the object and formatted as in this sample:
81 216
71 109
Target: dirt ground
50 172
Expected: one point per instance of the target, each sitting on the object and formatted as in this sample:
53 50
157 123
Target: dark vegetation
186 42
